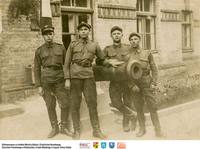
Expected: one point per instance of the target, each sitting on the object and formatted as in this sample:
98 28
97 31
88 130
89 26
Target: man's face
116 36
84 32
134 41
48 37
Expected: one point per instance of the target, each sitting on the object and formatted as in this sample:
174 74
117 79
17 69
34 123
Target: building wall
17 51
192 58
171 34
119 2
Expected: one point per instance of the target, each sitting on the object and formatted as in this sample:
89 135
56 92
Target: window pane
146 27
66 2
188 32
146 5
68 23
81 3
65 25
66 40
83 18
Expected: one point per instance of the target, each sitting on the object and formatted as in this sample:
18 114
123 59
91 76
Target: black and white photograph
100 70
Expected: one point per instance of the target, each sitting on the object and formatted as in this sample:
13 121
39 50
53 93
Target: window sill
187 50
144 13
154 51
77 9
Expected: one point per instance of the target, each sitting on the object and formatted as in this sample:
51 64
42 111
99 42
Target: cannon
126 70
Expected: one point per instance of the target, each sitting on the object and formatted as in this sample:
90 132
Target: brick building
170 28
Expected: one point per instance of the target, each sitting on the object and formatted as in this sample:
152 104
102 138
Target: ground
33 124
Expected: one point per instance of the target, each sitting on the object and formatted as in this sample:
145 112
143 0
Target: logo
84 145
103 145
111 144
95 145
121 145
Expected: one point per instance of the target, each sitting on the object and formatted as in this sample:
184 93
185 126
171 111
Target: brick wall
17 51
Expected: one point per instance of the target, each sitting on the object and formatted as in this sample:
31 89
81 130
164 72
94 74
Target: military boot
54 131
125 123
98 134
95 123
156 123
141 132
65 127
76 135
158 133
133 121
141 120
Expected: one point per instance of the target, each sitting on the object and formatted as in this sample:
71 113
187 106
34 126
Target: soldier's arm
67 63
64 53
154 70
100 56
37 69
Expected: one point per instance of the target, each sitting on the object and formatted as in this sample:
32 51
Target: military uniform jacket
119 52
48 63
79 58
147 63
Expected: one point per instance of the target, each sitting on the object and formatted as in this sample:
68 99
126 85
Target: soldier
49 76
79 77
143 89
119 90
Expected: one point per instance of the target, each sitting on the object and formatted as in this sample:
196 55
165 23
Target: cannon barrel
130 70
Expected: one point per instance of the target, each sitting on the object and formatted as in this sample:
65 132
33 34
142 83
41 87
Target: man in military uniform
79 77
49 76
143 88
119 90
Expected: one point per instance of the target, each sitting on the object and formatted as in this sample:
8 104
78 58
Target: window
146 5
73 13
76 3
186 30
70 22
146 28
146 23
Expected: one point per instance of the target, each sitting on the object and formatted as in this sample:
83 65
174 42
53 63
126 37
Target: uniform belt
54 67
83 64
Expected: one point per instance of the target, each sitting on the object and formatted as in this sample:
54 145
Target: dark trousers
146 95
53 92
88 88
120 96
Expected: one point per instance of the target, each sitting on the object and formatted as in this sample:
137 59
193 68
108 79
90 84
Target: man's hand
40 91
67 84
135 88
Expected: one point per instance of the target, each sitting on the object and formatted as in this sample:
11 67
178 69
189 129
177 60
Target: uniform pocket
44 54
112 54
77 54
58 57
125 56
90 54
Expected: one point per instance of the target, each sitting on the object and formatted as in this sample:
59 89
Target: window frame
76 11
187 23
147 15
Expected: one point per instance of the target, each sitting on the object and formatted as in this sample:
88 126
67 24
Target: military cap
47 28
115 28
134 34
84 24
